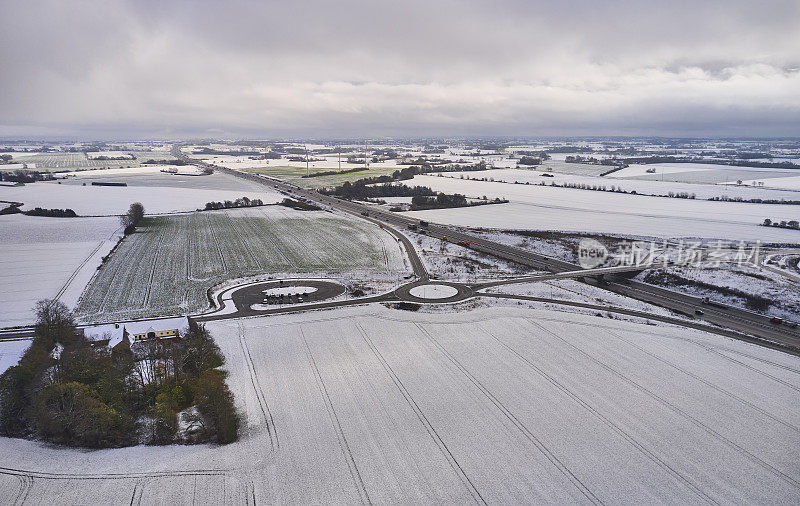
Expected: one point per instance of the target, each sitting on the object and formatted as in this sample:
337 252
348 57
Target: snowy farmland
60 161
113 200
495 406
702 173
48 258
534 207
640 186
169 263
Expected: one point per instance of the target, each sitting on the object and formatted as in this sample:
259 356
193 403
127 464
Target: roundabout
260 297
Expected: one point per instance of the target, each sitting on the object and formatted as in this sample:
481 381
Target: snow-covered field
496 406
48 258
702 173
430 291
640 186
127 171
11 351
784 183
169 263
534 207
454 262
663 168
109 200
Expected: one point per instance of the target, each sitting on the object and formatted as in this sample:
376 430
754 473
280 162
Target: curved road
738 320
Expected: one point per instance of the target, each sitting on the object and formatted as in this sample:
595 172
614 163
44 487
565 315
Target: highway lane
722 315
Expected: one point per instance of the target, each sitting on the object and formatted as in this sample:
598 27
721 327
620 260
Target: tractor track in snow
272 431
462 475
652 456
523 429
678 411
337 426
709 384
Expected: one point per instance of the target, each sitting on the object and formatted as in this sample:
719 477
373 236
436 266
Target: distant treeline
335 172
445 201
164 162
734 163
12 208
25 176
210 151
790 224
725 198
422 197
299 206
231 204
51 213
360 191
570 149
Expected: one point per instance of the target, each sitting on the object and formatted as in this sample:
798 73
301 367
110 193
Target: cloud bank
117 69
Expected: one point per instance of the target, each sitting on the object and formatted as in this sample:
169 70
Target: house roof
111 331
145 326
115 332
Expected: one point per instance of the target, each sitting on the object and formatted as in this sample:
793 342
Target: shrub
214 401
71 414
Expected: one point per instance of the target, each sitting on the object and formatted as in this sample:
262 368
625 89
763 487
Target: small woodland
71 391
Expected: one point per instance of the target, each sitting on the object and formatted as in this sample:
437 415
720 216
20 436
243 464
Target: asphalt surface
738 320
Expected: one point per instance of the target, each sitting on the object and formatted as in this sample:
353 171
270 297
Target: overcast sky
147 68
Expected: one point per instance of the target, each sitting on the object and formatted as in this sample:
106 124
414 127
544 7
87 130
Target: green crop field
169 263
295 175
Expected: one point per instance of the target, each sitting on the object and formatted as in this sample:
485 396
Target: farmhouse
126 334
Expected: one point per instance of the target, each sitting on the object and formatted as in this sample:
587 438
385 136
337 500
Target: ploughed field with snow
48 258
498 405
534 207
167 265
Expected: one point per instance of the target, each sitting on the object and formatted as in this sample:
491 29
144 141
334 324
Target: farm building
115 334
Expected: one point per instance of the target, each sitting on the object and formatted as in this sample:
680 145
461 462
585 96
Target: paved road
725 316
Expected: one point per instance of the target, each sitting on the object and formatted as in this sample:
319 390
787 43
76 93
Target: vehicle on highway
699 312
776 320
463 243
411 226
423 223
364 213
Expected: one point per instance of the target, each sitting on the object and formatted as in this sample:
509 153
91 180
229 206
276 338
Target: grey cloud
143 68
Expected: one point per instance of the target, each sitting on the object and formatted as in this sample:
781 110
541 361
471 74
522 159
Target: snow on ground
167 266
108 200
783 183
450 261
11 351
433 291
702 173
547 208
290 290
572 290
48 258
665 168
640 186
756 281
144 169
16 166
499 406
